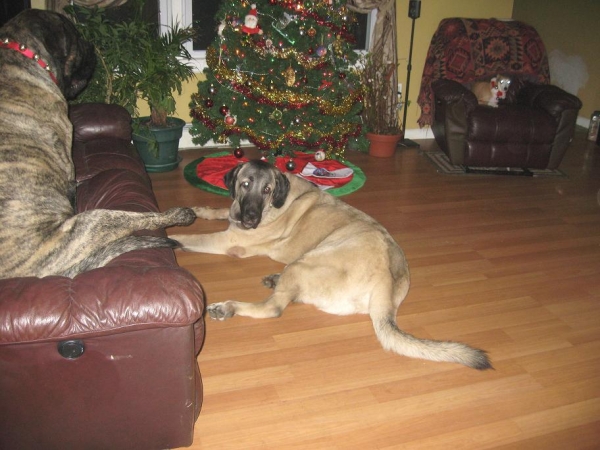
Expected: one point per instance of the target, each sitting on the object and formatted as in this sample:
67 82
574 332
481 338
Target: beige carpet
443 165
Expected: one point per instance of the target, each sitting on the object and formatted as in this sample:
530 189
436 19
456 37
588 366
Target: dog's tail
394 339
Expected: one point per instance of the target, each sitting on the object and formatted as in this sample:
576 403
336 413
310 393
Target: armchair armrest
552 99
99 120
559 104
450 91
453 105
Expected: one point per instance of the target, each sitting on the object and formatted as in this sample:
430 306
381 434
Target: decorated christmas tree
281 74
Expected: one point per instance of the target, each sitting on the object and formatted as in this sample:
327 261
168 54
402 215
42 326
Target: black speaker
414 9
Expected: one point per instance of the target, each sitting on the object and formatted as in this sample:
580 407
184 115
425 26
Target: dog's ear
282 188
230 178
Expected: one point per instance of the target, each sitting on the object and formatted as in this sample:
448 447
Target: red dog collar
6 43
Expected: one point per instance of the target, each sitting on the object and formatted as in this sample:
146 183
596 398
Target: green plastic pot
158 146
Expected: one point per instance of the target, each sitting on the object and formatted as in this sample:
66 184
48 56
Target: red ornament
238 153
224 110
209 103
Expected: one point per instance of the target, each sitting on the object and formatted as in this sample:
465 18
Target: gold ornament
290 76
276 115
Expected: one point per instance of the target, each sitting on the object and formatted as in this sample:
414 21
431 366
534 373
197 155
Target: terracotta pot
383 145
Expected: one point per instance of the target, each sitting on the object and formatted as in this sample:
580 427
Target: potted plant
157 137
380 105
137 62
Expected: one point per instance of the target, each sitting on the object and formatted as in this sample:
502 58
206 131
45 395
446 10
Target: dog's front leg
269 308
222 243
208 213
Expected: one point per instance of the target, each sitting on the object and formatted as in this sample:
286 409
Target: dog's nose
251 219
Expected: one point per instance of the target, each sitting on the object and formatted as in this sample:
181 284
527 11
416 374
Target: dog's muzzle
251 218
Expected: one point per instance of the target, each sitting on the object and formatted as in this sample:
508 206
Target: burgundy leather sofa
106 360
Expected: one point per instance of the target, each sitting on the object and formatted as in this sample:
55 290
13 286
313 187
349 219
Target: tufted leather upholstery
137 384
533 131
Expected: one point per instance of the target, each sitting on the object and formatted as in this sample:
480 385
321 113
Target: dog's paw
221 311
271 280
182 216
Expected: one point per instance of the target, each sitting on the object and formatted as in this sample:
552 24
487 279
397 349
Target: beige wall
572 28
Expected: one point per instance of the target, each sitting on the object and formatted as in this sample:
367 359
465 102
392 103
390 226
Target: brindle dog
44 61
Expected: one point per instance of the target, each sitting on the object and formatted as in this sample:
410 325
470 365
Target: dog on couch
291 221
44 61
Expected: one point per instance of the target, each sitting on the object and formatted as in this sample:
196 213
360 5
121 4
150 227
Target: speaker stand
407 143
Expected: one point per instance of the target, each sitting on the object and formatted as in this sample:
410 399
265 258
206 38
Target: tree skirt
337 178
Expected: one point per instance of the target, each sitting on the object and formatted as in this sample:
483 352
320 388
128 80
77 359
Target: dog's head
57 41
501 83
255 187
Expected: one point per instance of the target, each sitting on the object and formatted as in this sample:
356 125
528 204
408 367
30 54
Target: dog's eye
245 184
267 190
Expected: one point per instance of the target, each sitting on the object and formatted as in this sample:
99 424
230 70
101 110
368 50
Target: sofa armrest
552 99
99 120
99 302
450 91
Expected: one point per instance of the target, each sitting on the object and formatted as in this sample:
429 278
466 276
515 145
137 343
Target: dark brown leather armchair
107 359
531 128
533 132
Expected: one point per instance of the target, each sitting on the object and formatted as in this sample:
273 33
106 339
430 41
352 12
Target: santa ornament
251 22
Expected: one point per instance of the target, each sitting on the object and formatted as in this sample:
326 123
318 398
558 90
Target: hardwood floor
507 264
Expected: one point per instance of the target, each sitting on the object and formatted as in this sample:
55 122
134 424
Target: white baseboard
583 121
186 139
419 133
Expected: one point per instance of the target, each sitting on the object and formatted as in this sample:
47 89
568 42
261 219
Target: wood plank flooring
507 264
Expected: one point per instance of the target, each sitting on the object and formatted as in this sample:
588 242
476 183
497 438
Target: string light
276 105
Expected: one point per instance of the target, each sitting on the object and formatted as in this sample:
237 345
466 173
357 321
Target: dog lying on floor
291 221
44 61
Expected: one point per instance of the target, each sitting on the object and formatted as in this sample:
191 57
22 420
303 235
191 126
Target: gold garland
307 62
281 98
264 142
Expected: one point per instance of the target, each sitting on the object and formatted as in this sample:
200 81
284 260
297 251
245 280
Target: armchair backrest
466 50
